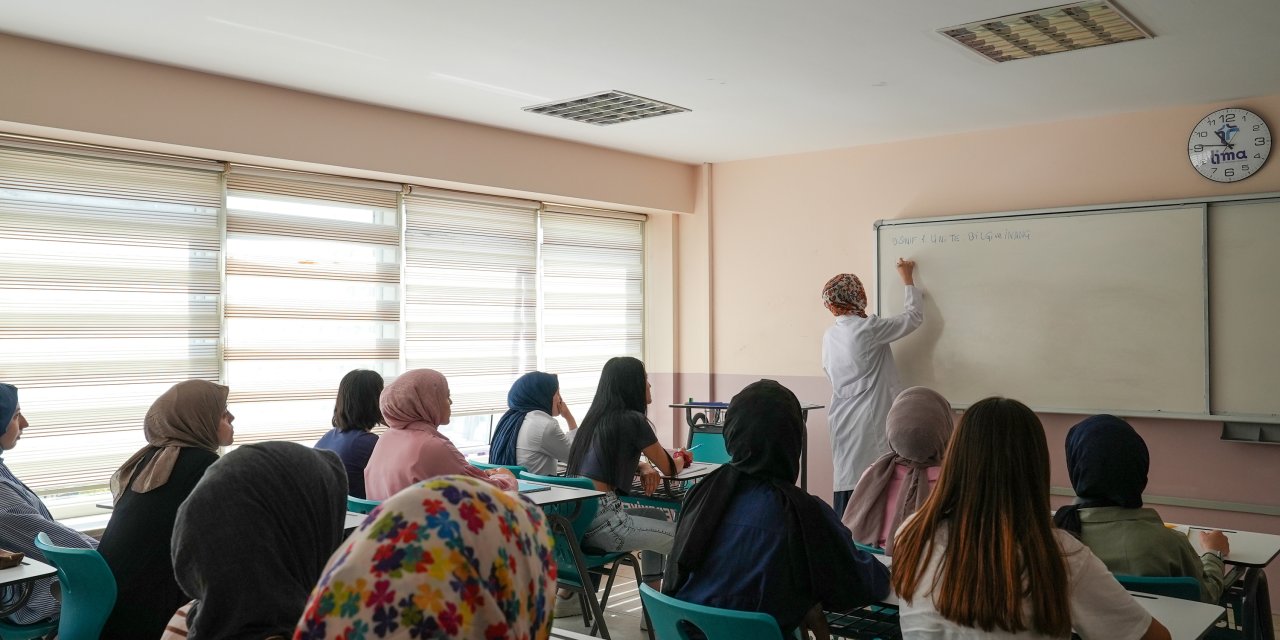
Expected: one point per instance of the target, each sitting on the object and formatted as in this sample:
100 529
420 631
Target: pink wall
781 226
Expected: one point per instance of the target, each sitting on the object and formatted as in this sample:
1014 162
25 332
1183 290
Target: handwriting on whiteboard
1004 235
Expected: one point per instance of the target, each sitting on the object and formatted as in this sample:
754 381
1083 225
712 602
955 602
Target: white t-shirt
541 443
1100 606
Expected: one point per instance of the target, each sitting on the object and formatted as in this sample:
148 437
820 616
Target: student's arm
1211 566
869 578
20 522
555 442
1156 631
887 330
663 460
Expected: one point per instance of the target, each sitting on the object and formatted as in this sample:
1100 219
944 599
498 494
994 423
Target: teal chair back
671 619
88 589
360 505
565 565
515 470
1184 587
869 549
710 447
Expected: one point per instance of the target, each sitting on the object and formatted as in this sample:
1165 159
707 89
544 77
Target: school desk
1251 552
712 414
21 577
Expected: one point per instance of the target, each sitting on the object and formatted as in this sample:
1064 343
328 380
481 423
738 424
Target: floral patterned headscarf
844 295
450 557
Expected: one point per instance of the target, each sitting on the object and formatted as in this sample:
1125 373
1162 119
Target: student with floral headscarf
184 428
859 364
413 449
452 557
23 516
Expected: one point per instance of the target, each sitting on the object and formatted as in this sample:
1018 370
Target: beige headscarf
187 415
418 396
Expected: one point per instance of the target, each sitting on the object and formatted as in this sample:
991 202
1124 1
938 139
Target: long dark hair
620 392
993 497
357 403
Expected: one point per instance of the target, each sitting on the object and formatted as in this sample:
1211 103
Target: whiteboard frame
1103 209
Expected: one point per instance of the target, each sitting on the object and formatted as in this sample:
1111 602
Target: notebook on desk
530 487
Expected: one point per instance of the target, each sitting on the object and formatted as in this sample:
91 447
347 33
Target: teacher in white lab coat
864 381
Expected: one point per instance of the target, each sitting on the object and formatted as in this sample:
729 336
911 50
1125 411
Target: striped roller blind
312 292
109 290
471 293
592 295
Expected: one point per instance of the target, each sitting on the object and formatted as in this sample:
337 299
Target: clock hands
1223 138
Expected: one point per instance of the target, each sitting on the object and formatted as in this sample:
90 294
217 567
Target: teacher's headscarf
764 434
8 405
450 557
1107 461
918 427
532 391
844 295
187 415
419 396
251 540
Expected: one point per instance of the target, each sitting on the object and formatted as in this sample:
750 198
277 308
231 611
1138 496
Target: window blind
109 292
471 294
592 295
312 292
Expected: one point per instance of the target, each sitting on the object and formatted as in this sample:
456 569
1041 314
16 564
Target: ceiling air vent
608 107
1038 33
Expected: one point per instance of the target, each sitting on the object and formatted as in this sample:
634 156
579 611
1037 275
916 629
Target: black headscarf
764 434
253 537
532 391
1107 461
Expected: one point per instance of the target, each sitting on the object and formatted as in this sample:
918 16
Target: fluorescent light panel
605 108
1068 27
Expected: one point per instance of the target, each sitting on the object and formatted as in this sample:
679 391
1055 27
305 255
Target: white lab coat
864 382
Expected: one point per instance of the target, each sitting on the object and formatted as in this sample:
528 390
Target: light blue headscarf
8 405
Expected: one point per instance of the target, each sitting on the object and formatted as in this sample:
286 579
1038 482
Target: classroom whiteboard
1073 312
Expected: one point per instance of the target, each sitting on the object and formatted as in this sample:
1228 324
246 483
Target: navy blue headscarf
532 391
1107 461
8 405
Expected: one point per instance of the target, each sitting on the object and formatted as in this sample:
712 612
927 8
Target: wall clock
1229 145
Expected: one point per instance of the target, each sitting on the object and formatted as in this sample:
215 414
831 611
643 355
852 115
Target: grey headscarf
251 540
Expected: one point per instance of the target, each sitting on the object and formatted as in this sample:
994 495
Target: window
108 295
313 291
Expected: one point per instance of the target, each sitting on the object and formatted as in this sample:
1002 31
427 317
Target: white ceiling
762 77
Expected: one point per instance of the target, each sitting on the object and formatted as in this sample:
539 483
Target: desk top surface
695 471
1248 549
27 571
557 494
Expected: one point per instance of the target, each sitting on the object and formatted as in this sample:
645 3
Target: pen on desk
693 447
1210 529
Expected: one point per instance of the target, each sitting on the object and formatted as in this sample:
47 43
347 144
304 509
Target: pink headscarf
416 397
919 427
844 294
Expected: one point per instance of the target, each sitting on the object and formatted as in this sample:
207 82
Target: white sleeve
1100 606
887 330
552 439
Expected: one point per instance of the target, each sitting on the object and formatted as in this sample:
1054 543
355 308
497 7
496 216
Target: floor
622 614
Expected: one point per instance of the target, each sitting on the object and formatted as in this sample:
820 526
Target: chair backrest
710 445
88 589
671 619
1184 587
360 505
869 549
513 468
566 567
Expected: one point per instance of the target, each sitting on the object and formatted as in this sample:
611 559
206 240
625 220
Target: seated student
23 516
413 450
981 558
528 434
355 413
1108 461
184 428
607 450
918 428
251 540
750 540
451 557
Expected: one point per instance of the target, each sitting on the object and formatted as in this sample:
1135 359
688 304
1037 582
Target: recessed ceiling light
607 107
1069 27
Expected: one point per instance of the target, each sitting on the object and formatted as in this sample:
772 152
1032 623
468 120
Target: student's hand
1215 540
649 479
814 624
906 269
499 472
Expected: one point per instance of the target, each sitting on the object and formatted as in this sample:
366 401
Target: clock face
1229 145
